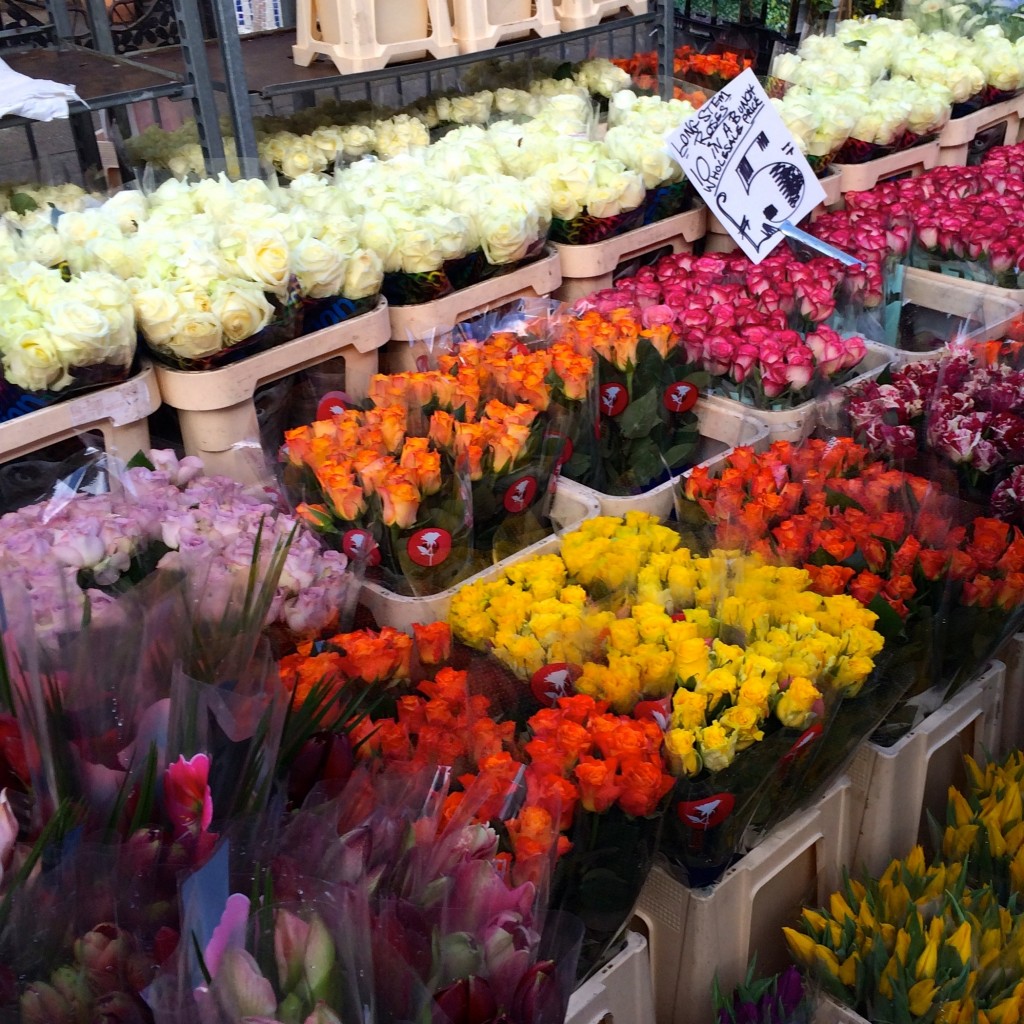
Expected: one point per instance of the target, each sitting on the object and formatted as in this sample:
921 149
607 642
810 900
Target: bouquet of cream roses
59 335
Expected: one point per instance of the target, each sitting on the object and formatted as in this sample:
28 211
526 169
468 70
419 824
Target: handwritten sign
744 162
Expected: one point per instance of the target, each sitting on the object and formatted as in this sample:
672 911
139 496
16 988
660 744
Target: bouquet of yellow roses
739 663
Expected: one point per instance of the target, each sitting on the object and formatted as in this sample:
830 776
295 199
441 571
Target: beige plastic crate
620 993
895 787
482 24
216 408
576 14
411 324
589 268
570 508
694 933
991 310
1011 736
721 430
955 139
913 161
975 292
366 35
119 412
799 423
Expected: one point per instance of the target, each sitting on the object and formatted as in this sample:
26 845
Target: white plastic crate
1011 736
828 1011
569 509
216 408
482 24
721 431
620 993
119 412
576 14
411 324
895 787
366 35
956 138
799 423
589 268
695 933
912 162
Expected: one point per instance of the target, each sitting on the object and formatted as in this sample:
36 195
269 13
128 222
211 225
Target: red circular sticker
614 399
806 738
659 711
518 349
681 397
429 547
706 813
679 617
360 546
334 403
554 681
520 495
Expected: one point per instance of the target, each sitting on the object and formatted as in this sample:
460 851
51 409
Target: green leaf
640 416
833 499
677 455
562 72
22 202
140 460
700 379
889 624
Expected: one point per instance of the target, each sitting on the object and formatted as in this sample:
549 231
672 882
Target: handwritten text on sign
744 162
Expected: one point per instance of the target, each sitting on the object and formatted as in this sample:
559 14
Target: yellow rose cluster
730 640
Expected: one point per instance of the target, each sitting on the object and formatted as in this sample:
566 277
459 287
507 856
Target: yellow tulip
961 809
1011 808
827 959
1005 1012
958 842
914 862
922 995
928 961
840 908
848 970
960 941
801 946
815 921
902 946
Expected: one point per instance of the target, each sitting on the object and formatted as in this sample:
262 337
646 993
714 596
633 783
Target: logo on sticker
360 546
519 496
429 547
614 399
334 403
554 681
659 711
681 397
806 738
706 813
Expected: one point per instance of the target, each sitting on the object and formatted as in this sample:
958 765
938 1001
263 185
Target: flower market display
234 791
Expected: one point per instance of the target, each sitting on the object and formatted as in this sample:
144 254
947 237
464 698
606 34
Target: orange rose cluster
859 527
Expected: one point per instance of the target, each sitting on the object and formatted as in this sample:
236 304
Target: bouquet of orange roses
647 392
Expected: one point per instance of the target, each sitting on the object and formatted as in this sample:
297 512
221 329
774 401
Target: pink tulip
187 796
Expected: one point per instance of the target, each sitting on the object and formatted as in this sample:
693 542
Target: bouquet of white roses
59 335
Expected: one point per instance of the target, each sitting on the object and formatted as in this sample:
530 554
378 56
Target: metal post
668 49
197 78
235 85
61 21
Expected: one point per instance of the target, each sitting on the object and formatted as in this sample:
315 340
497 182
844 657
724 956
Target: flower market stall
443 580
